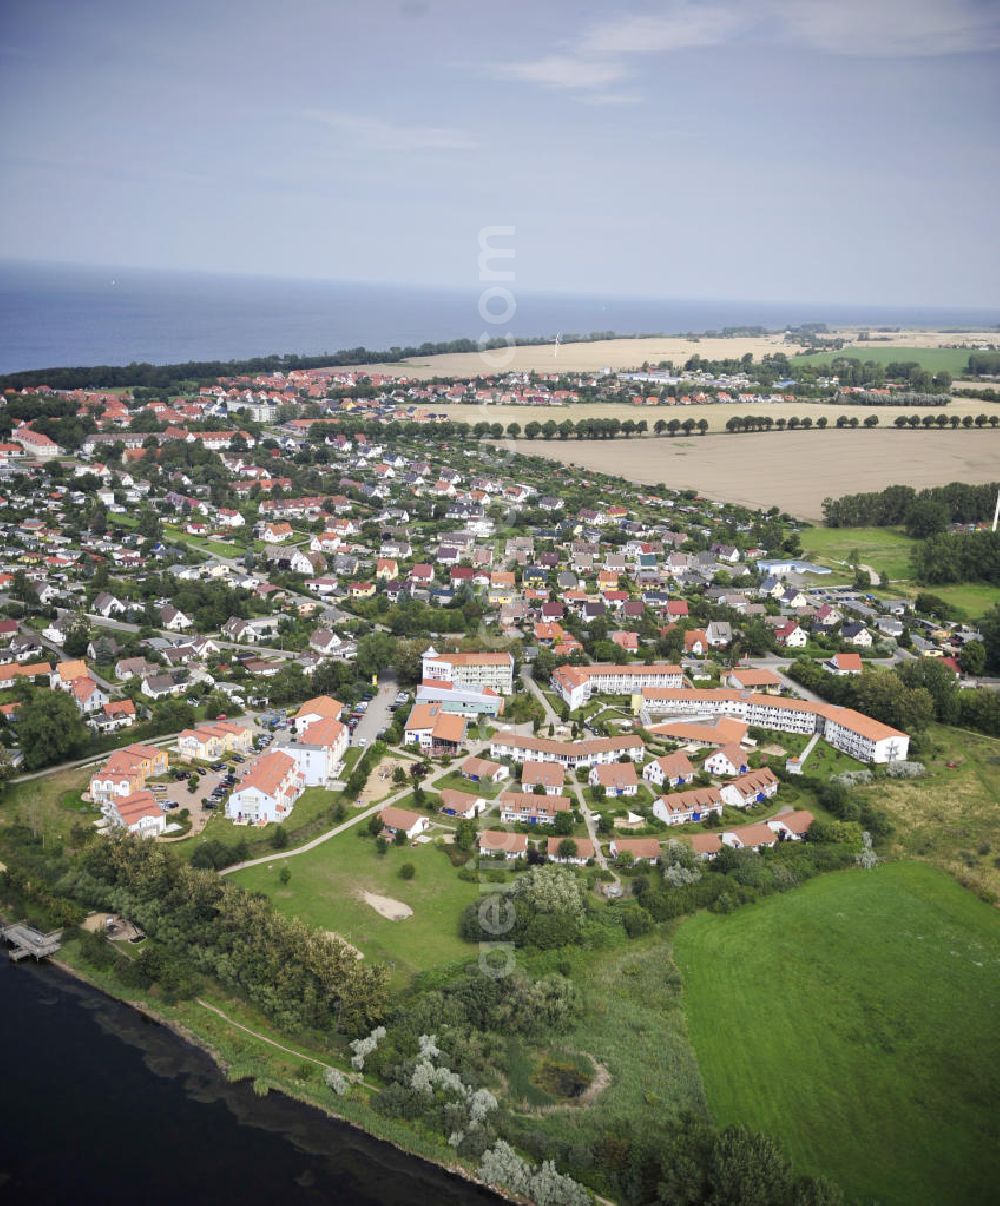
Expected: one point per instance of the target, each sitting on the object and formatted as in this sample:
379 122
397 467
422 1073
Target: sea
98 1104
58 315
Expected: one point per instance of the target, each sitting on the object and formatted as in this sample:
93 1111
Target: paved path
528 678
358 817
588 818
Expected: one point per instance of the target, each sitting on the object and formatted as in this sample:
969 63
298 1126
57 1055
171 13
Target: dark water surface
54 315
100 1106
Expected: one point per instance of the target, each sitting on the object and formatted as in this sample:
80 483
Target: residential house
494 843
267 792
615 778
401 820
642 850
672 770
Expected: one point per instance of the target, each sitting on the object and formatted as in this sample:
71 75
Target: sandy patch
385 906
794 470
380 784
777 750
350 945
96 923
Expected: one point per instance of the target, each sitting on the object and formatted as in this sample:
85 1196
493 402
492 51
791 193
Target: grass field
973 599
951 816
855 1021
50 805
325 892
632 1023
885 549
935 360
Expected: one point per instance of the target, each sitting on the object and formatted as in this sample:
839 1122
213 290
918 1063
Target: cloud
601 54
681 27
382 135
565 71
891 28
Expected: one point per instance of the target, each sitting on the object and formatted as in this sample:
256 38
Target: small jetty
27 942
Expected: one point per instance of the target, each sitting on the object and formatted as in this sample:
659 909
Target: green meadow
855 1020
326 886
935 360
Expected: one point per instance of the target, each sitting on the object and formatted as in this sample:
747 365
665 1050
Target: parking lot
206 799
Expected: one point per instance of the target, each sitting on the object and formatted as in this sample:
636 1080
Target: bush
407 871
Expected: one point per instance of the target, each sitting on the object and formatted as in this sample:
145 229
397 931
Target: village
218 581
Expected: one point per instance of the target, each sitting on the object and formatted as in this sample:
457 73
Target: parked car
238 758
218 766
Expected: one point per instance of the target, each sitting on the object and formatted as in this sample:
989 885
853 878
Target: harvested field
792 470
623 354
619 354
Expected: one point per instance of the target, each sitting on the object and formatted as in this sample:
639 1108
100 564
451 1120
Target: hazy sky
829 150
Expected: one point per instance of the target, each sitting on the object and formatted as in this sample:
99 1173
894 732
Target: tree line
298 977
984 364
902 422
960 501
957 557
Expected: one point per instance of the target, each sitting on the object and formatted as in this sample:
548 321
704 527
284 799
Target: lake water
99 1105
54 315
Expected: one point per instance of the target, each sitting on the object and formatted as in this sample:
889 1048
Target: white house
616 778
493 843
401 820
461 804
673 770
319 752
267 792
139 813
727 760
792 826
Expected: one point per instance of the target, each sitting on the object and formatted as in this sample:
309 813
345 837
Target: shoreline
186 1035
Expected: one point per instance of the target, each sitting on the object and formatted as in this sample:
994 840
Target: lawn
951 815
312 815
325 889
935 360
203 543
885 549
855 1020
488 791
973 599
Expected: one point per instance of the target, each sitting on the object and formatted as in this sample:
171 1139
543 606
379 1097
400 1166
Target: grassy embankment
854 1019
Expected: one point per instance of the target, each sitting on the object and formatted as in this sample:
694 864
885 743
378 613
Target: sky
810 150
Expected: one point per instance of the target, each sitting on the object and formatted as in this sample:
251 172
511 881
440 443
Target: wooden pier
25 941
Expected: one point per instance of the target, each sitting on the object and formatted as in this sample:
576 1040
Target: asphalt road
377 716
